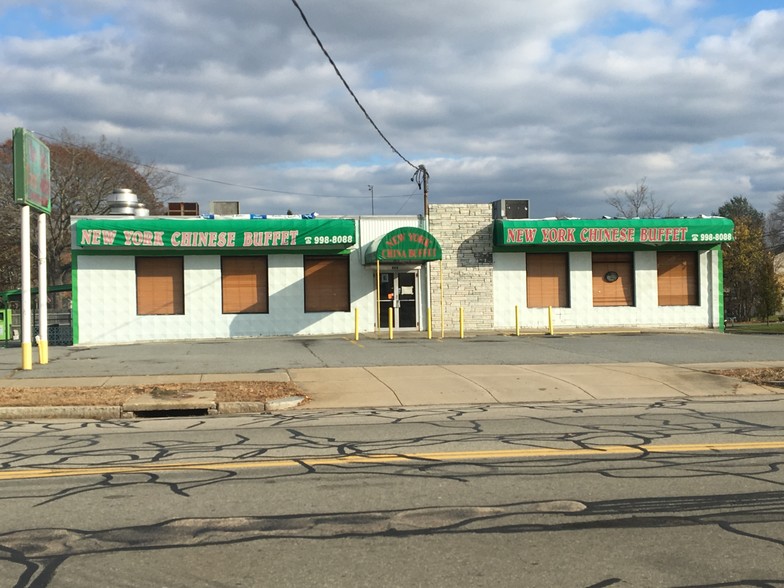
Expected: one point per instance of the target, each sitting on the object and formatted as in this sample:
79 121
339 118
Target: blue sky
48 20
565 103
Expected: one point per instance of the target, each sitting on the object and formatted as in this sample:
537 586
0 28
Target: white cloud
560 102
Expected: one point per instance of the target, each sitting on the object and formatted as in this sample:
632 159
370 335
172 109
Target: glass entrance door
398 292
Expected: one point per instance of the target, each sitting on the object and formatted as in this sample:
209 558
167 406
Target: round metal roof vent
124 202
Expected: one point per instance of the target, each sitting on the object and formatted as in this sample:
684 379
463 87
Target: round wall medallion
610 276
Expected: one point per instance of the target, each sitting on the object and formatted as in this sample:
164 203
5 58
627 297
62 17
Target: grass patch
772 328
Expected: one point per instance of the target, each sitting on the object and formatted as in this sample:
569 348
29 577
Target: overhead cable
345 83
199 178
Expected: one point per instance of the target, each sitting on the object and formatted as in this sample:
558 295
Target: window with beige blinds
547 279
677 278
159 286
327 284
244 285
613 279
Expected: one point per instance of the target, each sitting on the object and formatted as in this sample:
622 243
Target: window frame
686 280
342 291
622 264
560 277
231 289
152 287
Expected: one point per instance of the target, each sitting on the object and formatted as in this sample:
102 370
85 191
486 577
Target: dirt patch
759 376
116 395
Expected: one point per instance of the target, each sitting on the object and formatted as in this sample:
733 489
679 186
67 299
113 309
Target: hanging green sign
404 245
281 235
32 179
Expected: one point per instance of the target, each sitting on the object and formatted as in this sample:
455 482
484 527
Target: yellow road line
152 467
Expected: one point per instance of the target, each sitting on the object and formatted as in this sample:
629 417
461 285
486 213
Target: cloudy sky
564 102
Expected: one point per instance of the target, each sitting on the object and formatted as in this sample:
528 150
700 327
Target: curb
106 413
100 413
284 403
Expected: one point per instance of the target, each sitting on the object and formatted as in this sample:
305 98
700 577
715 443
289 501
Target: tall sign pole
27 331
32 188
43 298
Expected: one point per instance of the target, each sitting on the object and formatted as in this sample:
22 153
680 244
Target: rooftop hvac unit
510 209
183 209
224 208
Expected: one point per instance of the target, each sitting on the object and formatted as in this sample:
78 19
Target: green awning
403 245
278 235
633 233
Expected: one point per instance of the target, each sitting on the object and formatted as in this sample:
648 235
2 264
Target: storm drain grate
178 412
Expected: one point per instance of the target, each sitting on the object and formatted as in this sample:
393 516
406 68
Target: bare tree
638 203
775 222
82 174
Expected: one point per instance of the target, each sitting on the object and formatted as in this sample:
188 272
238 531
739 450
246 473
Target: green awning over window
278 235
403 245
633 233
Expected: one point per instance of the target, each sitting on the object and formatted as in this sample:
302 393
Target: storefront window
677 278
159 286
327 284
547 279
613 279
244 285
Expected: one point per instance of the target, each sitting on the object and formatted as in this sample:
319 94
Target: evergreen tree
750 282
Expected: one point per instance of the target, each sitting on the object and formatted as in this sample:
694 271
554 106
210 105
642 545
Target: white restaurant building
173 278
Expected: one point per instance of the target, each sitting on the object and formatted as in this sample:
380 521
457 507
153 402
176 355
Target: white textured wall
106 298
509 278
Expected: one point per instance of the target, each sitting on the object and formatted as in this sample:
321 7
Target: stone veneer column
465 232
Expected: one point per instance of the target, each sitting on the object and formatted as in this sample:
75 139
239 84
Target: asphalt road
672 493
263 354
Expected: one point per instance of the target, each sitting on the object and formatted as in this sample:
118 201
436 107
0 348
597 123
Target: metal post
550 320
517 320
441 278
378 296
356 324
372 205
429 323
27 330
462 324
43 318
391 326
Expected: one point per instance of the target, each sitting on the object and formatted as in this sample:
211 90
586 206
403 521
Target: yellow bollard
550 319
356 324
517 320
391 326
462 324
429 323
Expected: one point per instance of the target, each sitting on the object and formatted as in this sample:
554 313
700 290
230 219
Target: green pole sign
32 179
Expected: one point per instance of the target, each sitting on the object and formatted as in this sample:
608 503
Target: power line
345 83
202 179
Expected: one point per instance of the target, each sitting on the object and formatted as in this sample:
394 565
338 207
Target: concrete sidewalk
488 384
430 385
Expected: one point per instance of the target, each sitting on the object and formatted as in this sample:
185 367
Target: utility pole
425 176
372 205
420 177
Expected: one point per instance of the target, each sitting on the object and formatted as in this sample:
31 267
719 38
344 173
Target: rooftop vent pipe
124 202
